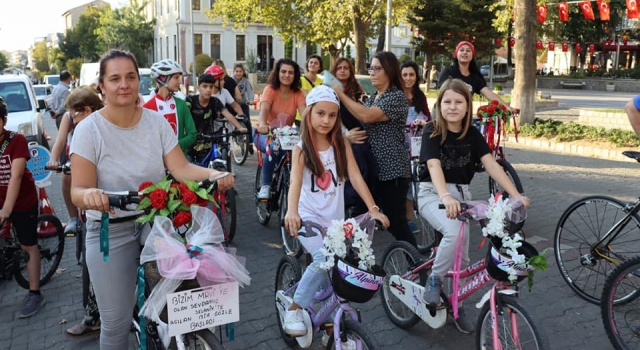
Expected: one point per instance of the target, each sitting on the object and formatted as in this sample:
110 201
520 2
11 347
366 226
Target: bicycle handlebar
62 168
212 137
121 199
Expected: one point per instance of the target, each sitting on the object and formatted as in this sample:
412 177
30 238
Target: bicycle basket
498 262
353 284
152 277
287 138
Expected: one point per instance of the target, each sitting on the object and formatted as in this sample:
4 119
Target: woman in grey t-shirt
118 148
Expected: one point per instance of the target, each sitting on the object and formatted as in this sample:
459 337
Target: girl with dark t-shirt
465 68
450 149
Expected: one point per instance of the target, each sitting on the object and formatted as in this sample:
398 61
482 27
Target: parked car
147 85
51 79
484 70
43 92
24 109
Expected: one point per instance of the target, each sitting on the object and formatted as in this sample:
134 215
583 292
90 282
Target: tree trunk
334 53
381 37
523 94
359 35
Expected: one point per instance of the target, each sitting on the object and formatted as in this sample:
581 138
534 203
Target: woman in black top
450 149
383 116
465 68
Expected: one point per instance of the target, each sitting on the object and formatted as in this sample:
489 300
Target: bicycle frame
330 302
632 210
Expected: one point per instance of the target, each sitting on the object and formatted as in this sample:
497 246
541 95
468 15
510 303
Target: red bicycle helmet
216 71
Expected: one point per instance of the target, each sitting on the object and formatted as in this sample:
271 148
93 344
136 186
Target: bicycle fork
496 309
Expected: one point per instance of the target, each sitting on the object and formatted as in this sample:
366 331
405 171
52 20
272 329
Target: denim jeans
268 165
313 277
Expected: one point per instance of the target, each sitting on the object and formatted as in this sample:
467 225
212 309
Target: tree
442 24
329 23
41 57
128 29
202 62
74 65
4 62
523 94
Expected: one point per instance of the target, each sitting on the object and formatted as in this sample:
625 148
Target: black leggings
391 198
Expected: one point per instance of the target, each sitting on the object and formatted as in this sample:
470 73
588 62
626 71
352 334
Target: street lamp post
387 39
193 47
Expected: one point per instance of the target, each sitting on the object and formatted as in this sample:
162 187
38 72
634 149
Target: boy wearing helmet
220 92
167 75
19 202
205 109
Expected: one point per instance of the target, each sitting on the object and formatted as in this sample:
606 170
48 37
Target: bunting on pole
539 45
542 13
512 41
565 46
552 46
498 41
587 11
578 48
603 8
632 9
563 11
592 47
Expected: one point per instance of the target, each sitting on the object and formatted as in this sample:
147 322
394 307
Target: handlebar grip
116 201
463 206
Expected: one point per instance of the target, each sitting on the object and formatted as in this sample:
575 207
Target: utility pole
387 39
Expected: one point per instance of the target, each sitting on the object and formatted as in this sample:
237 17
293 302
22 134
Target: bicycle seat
632 154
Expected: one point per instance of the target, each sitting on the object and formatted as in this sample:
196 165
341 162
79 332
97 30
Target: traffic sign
40 156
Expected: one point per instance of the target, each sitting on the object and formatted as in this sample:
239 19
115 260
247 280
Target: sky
21 21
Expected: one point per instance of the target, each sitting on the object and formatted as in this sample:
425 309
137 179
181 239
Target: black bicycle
594 235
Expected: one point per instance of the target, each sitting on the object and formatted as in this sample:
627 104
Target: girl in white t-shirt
320 164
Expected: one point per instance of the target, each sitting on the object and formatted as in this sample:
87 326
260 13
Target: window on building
160 7
167 45
175 47
213 2
215 46
197 39
265 49
239 47
195 5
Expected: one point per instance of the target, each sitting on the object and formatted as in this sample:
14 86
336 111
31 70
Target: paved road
552 181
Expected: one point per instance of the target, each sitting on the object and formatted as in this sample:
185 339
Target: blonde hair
439 123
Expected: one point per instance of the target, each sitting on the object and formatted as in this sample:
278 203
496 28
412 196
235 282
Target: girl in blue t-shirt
320 164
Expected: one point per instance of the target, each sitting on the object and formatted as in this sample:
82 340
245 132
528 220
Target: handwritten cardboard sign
201 308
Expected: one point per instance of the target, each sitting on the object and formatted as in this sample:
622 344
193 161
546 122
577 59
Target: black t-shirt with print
475 81
458 157
387 138
204 118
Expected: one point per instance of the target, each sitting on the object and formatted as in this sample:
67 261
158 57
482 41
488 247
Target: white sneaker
293 323
264 192
350 344
325 338
71 226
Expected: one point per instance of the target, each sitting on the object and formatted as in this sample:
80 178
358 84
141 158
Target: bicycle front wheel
509 314
290 245
513 176
203 339
228 215
239 149
398 259
51 246
583 262
288 273
356 336
622 319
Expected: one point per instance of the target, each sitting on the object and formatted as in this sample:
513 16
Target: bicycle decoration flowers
497 212
334 244
198 256
171 199
494 119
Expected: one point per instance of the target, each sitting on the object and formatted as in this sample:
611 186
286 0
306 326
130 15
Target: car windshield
16 96
146 84
53 80
40 90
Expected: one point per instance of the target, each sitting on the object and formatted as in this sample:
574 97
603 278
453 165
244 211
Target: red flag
632 9
565 46
539 45
542 13
552 46
512 41
587 11
592 47
578 48
563 9
499 41
603 7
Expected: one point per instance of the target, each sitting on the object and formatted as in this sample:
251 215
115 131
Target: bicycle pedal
70 234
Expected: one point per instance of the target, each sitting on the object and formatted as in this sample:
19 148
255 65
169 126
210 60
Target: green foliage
127 28
202 62
4 62
419 61
348 51
41 57
497 87
250 64
571 131
288 49
74 65
404 58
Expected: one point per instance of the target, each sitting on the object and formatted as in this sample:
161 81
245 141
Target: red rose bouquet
494 119
172 199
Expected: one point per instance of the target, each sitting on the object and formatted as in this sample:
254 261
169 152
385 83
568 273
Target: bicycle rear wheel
512 174
203 339
425 239
239 149
262 205
510 313
622 318
397 259
580 228
51 245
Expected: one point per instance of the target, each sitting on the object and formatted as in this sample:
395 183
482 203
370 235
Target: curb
570 148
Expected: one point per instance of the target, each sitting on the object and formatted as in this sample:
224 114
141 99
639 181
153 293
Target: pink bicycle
503 322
